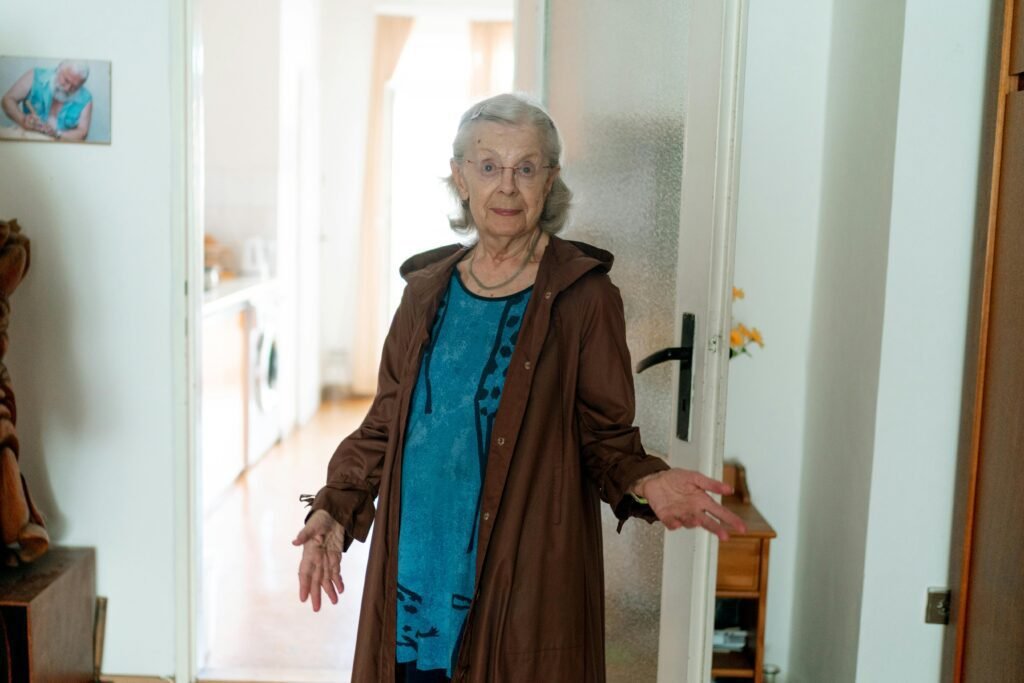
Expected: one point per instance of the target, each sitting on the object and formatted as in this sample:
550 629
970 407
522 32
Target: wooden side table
47 610
743 577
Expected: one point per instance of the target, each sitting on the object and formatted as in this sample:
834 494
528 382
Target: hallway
257 630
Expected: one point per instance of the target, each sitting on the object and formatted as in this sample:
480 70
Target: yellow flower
755 334
735 339
740 336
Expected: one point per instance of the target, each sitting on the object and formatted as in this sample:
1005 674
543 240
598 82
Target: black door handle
684 354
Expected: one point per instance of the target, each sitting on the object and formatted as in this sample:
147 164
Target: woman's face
504 203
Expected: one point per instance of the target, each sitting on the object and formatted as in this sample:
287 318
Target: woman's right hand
320 568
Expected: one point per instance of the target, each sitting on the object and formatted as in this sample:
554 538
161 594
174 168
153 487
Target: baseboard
335 392
276 675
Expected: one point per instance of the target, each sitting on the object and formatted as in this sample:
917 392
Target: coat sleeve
354 471
610 446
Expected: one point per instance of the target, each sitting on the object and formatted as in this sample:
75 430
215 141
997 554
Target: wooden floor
253 625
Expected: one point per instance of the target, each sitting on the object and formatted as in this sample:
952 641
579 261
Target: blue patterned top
461 378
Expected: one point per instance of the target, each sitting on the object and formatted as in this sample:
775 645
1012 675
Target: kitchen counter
235 293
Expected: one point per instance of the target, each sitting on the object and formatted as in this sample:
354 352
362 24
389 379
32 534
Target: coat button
547 295
487 516
526 365
501 441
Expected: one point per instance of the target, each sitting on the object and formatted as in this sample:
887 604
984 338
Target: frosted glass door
642 93
616 89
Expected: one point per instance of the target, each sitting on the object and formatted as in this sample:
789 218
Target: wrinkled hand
33 122
680 498
320 568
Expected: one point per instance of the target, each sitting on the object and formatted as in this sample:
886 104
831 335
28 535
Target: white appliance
264 420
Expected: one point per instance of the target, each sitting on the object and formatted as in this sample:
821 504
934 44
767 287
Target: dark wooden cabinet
47 612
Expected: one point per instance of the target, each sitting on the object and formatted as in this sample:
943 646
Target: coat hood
563 262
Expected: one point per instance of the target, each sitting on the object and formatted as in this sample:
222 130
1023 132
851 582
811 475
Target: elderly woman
502 418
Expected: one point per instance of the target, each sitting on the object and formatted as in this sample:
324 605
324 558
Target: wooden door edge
972 408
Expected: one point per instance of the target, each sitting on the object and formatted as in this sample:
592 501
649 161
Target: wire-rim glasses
525 172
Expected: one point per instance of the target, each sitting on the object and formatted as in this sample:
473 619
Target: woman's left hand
680 498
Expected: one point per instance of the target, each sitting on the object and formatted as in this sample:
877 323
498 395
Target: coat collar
563 262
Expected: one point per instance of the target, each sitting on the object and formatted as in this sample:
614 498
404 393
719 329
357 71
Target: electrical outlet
937 611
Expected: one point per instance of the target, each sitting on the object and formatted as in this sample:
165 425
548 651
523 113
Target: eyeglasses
525 173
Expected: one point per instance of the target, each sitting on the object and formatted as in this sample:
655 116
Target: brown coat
562 441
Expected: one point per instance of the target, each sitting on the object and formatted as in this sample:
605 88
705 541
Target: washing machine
264 419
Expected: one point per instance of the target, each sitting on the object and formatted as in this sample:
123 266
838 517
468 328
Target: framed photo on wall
54 100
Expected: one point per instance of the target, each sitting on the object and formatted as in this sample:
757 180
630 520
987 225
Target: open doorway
325 129
350 116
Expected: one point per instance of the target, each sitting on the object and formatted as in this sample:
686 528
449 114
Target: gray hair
80 69
513 110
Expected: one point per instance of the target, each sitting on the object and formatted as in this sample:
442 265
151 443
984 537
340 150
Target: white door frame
187 206
708 198
710 176
715 48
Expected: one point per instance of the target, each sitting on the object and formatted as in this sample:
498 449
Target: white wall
298 212
479 10
938 152
782 137
846 330
241 59
346 49
93 341
262 114
888 324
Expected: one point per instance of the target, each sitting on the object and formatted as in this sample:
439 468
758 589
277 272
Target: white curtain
491 45
391 35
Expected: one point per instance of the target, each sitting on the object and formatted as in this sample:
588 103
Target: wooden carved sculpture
24 535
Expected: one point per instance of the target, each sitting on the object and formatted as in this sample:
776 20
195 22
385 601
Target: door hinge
937 611
713 343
